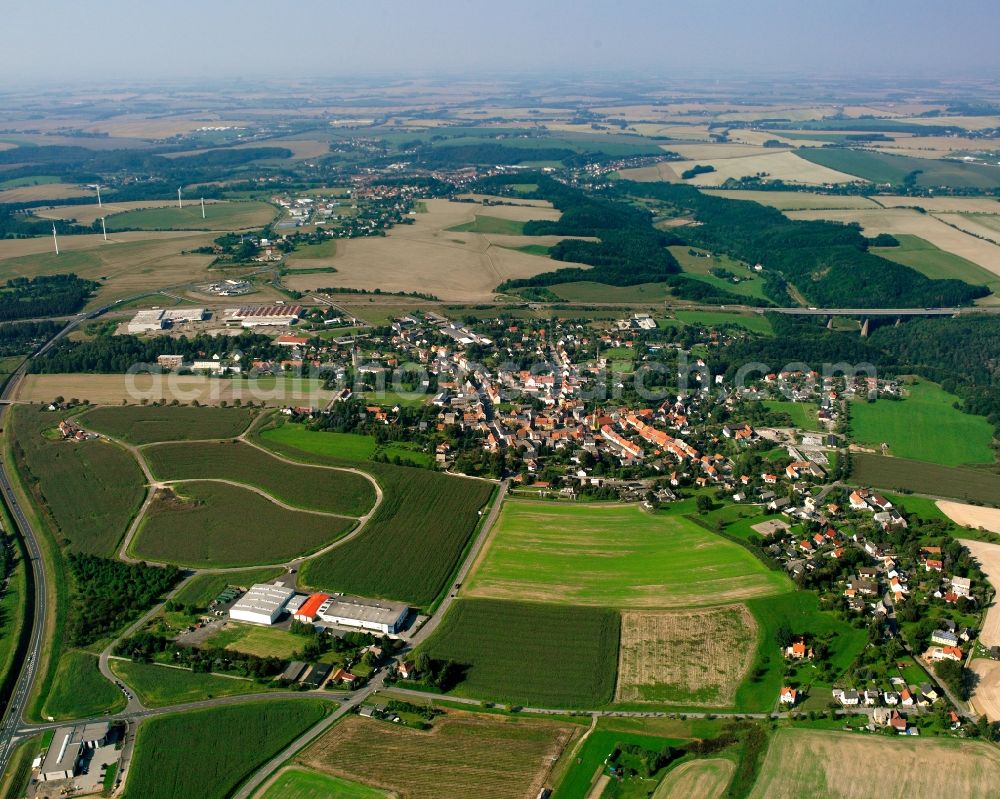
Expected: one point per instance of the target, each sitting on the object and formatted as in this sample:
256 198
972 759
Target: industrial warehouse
267 603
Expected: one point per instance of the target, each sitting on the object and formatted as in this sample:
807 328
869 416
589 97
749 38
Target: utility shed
262 604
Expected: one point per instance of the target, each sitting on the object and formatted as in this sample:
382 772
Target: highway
14 712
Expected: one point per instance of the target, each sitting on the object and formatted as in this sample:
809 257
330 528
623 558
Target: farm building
262 604
368 614
309 611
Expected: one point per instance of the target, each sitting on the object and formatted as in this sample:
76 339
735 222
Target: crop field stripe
143 424
531 653
902 475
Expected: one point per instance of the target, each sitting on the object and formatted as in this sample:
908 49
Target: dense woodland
48 295
108 354
828 262
110 593
19 338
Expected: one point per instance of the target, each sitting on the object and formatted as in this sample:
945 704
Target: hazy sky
73 40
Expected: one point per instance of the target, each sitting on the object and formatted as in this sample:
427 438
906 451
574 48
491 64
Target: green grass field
588 291
79 691
203 588
924 426
208 753
752 286
92 488
803 413
219 525
144 424
261 641
752 322
530 653
484 223
921 477
313 252
600 744
349 446
884 168
301 486
935 263
297 783
615 556
801 611
218 216
160 686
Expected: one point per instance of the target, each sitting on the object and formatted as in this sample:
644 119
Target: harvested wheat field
428 257
837 765
697 779
954 205
985 697
784 166
113 389
45 191
713 150
908 221
988 556
984 226
662 171
463 755
971 515
692 657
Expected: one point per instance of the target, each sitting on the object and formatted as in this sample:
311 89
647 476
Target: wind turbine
179 203
202 207
104 229
98 187
54 239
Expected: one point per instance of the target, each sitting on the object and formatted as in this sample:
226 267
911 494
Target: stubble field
427 257
815 763
988 556
696 657
464 755
698 779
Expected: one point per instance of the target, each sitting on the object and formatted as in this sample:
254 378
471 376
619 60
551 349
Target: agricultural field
306 487
429 257
207 524
985 697
203 588
924 426
463 755
614 556
755 323
310 253
968 515
297 783
921 477
704 779
884 168
947 205
160 686
531 653
218 216
144 424
261 641
490 224
786 166
412 543
167 746
126 265
92 489
988 556
694 657
587 291
348 446
79 690
936 263
909 222
811 763
45 190
88 214
798 200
